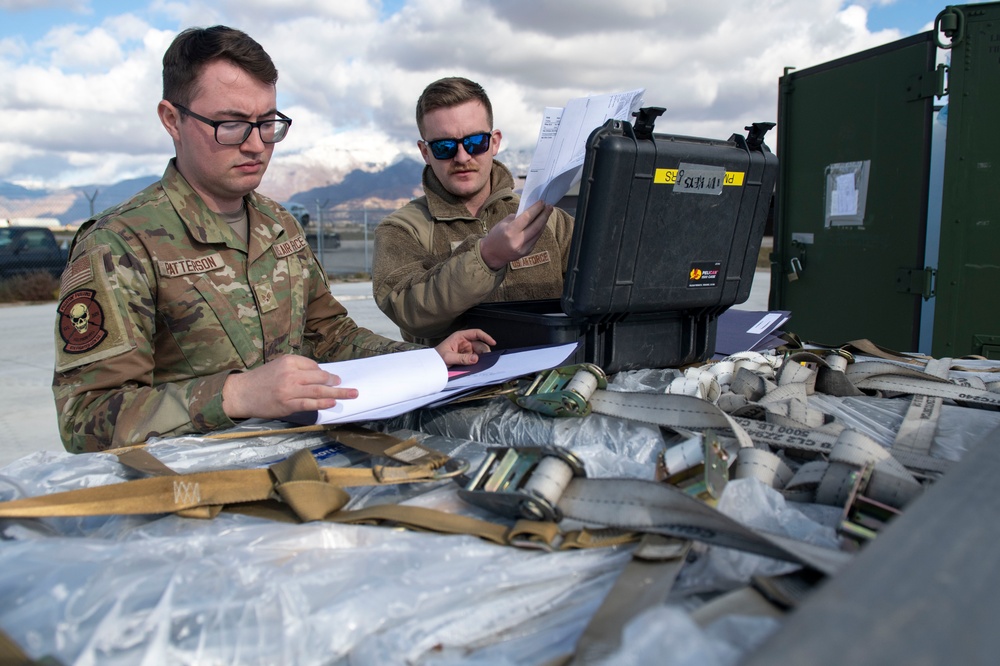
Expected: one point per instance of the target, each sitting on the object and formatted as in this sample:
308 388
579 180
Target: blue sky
908 16
351 70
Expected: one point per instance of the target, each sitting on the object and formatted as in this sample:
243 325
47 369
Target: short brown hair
449 92
193 48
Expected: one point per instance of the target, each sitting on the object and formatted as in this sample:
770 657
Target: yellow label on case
669 177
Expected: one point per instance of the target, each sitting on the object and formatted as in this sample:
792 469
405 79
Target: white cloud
70 49
350 79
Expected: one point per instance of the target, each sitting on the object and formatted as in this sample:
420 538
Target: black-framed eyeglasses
235 132
474 144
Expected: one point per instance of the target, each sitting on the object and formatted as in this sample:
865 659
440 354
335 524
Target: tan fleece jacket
427 269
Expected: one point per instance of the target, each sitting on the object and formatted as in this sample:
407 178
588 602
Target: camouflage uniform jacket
161 300
428 270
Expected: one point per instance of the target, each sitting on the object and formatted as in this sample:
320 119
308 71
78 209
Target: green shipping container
887 207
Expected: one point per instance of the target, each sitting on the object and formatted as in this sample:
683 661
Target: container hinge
916 281
942 80
645 118
927 84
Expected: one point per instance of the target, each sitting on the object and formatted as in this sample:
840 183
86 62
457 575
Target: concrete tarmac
27 358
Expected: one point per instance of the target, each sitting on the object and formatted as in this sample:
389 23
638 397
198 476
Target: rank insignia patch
81 324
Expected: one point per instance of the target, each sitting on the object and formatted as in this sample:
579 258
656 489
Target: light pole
367 268
319 232
91 198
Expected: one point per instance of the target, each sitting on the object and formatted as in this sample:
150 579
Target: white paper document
562 143
393 384
388 379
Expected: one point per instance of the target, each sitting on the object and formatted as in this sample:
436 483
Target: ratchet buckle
522 482
563 391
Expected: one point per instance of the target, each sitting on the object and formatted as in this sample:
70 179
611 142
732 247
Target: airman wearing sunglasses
460 244
198 302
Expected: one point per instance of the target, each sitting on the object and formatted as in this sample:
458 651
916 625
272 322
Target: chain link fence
341 236
344 238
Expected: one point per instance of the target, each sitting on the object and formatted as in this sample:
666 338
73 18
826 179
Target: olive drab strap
626 506
310 491
11 654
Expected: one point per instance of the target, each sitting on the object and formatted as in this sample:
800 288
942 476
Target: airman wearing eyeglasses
198 302
460 244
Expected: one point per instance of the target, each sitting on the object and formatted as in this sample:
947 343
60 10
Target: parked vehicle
26 250
299 212
331 239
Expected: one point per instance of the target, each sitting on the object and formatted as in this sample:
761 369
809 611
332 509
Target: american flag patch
77 273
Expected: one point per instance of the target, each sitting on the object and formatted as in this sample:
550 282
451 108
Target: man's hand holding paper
514 237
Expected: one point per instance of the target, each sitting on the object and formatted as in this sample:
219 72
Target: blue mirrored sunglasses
474 144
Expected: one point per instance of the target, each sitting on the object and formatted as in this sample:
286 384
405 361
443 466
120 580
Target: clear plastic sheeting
880 418
667 630
609 446
755 505
244 590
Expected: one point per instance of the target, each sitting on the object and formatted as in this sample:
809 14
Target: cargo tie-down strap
744 382
763 402
766 406
615 509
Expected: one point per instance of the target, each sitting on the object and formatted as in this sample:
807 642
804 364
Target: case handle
645 118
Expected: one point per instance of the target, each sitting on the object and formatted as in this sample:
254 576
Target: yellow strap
374 443
297 480
11 653
308 491
420 518
143 461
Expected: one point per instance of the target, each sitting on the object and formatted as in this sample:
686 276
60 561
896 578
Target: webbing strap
11 653
893 377
815 441
627 505
143 461
742 601
424 519
374 443
682 411
695 414
659 508
313 492
408 451
644 582
916 433
868 348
